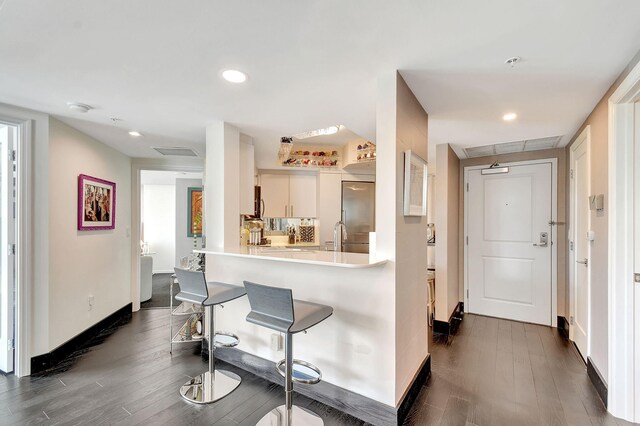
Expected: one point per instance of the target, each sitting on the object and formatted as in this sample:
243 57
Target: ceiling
156 65
163 177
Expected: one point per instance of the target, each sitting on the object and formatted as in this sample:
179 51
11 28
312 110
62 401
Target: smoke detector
512 61
78 107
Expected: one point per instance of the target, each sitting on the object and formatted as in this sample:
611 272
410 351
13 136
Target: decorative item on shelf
285 148
366 152
312 156
96 203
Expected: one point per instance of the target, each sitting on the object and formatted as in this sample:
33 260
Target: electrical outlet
276 342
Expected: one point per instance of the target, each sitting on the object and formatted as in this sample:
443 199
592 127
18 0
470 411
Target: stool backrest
193 286
270 306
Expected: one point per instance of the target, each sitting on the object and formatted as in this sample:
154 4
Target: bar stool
214 384
275 308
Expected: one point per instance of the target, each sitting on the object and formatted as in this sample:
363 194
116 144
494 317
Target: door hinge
571 173
12 249
14 155
571 320
11 344
636 278
571 245
467 186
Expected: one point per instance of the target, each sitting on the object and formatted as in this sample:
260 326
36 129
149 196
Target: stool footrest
303 372
225 339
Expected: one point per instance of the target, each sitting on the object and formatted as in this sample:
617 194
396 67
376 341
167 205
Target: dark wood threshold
356 405
598 381
449 328
51 359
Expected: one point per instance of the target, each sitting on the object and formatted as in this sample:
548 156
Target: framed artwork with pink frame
96 203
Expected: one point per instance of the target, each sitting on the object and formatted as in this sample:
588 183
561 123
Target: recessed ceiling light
510 116
318 132
78 107
135 133
234 76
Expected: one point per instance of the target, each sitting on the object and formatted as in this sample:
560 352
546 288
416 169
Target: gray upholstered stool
274 308
214 384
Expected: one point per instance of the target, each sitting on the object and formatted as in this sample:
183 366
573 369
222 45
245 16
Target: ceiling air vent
511 147
176 151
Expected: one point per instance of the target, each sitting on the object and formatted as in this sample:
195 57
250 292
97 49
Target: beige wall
83 263
599 122
447 184
411 246
559 154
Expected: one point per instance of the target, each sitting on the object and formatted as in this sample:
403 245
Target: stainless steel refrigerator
358 214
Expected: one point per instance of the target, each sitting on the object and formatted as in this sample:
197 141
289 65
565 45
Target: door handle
544 240
584 262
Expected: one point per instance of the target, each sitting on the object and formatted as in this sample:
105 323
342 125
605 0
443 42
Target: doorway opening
510 255
170 229
9 136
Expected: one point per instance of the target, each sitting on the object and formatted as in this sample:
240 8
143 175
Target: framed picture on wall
96 203
415 185
194 213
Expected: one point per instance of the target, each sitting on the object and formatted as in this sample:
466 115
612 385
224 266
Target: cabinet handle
291 210
285 210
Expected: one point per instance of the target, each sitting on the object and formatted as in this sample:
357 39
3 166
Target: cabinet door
302 196
275 193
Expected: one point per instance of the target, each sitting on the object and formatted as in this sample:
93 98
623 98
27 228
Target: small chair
214 384
275 308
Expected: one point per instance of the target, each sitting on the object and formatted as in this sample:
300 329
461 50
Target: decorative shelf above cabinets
360 154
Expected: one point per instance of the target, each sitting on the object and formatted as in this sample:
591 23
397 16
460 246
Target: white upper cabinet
275 194
247 177
288 195
302 195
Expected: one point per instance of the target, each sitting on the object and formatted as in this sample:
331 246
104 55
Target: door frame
159 164
24 243
584 137
554 230
624 295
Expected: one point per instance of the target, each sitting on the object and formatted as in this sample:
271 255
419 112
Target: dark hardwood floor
492 372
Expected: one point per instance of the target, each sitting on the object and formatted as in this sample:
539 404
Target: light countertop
300 255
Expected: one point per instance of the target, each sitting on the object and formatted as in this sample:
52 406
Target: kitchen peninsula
347 346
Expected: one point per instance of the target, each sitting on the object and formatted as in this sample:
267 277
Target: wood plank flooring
492 372
499 372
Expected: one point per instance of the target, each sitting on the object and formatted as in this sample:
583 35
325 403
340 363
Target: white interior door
509 265
7 240
579 245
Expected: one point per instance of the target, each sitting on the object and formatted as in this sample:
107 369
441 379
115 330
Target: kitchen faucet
339 235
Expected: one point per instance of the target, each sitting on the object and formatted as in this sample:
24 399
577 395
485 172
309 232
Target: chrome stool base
297 416
206 388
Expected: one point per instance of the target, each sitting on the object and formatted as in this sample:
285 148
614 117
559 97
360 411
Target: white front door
509 264
7 240
579 244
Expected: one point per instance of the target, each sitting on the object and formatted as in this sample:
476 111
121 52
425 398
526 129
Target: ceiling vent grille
511 147
176 151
